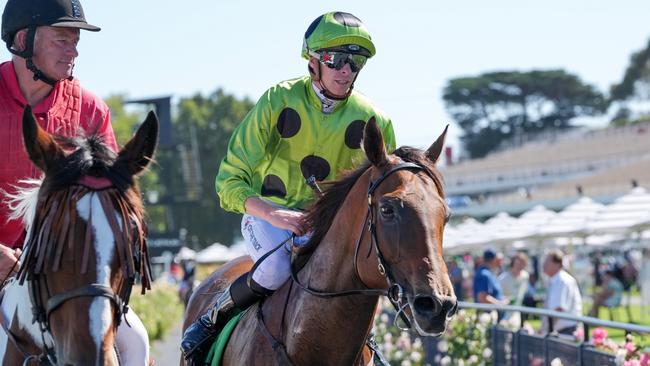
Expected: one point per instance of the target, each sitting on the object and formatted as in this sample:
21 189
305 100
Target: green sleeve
234 182
389 137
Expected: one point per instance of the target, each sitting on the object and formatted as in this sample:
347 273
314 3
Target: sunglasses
336 60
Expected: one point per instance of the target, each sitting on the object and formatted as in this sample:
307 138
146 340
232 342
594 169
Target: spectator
610 294
498 267
487 289
644 283
456 277
562 294
514 281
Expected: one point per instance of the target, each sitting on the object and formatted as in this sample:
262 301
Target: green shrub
160 309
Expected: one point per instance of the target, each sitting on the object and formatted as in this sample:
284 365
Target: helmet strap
28 53
39 75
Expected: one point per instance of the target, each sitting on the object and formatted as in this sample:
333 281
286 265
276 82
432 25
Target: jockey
42 35
304 128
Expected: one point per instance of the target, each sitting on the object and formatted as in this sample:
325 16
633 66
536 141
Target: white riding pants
132 342
262 237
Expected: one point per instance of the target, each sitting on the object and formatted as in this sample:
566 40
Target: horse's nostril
451 307
427 304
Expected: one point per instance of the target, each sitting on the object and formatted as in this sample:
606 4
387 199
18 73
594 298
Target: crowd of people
548 283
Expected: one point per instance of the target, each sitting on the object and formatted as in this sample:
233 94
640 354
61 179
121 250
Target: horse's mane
54 223
322 213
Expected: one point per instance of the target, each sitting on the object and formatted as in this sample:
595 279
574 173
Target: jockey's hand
278 216
288 220
9 261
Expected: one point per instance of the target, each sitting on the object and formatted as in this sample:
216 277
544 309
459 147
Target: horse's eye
386 211
447 217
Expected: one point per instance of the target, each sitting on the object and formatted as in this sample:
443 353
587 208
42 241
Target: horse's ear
373 144
433 152
41 147
138 152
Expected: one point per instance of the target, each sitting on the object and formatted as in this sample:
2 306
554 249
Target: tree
632 94
124 125
636 81
497 106
201 127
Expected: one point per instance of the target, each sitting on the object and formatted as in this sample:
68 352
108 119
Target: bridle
42 308
395 292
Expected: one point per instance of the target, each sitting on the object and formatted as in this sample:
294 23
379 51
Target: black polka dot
313 26
347 19
288 123
273 186
354 134
316 166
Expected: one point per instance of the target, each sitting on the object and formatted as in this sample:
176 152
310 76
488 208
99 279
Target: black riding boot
199 337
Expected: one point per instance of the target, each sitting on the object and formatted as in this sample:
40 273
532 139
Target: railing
517 348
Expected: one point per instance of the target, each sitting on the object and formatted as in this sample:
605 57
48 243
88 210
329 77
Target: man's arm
485 298
278 216
9 261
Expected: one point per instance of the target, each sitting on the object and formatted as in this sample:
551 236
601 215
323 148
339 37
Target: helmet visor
336 60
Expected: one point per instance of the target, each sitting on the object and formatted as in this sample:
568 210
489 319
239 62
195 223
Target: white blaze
103 241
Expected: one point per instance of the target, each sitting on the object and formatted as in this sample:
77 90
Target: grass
160 309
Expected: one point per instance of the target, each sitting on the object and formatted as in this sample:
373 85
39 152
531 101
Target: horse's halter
37 284
395 292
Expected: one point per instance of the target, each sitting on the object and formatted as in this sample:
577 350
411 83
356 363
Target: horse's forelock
22 203
417 156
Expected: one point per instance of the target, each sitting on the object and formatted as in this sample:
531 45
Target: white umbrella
528 224
623 214
215 253
572 220
467 234
499 225
185 254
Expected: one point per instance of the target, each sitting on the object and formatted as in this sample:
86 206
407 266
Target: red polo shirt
66 111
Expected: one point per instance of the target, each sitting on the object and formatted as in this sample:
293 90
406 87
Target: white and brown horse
85 246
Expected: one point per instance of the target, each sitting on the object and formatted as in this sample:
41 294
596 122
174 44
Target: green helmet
340 31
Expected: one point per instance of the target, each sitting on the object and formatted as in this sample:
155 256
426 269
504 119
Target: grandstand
602 164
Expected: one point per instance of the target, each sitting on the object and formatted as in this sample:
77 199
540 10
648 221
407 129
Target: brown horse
378 231
85 246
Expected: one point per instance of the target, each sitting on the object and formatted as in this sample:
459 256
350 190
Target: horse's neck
336 327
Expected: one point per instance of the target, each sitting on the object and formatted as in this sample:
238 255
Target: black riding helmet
30 14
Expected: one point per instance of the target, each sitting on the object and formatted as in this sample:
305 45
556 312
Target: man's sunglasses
336 60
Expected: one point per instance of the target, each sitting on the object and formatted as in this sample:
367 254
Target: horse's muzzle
431 313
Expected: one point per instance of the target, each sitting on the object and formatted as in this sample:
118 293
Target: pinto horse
378 231
85 246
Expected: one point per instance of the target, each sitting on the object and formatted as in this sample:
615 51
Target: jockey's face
338 82
55 51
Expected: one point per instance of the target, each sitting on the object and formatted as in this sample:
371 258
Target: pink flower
598 335
632 363
630 347
645 359
579 334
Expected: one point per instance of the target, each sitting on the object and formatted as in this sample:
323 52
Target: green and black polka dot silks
286 138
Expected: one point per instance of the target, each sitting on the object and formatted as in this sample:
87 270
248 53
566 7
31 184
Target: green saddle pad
216 351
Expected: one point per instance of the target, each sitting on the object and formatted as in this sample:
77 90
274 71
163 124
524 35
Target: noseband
41 309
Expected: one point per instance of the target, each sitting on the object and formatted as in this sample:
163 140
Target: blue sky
162 47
